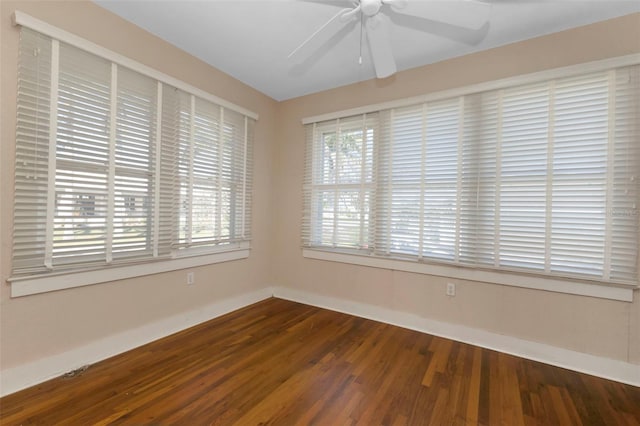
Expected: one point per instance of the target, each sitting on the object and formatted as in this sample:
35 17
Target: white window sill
24 286
582 288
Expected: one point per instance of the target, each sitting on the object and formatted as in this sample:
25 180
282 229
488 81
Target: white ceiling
251 39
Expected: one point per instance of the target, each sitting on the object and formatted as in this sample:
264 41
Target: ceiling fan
463 14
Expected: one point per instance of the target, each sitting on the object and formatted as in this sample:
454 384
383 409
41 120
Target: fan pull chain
361 25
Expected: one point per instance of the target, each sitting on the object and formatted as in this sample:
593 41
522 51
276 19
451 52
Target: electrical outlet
451 289
190 278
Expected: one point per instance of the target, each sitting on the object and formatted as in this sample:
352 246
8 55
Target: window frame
525 279
88 274
363 185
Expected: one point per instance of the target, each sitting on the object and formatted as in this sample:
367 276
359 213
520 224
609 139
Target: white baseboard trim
30 374
619 371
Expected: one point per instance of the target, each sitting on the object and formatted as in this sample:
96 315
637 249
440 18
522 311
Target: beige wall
599 327
39 326
36 327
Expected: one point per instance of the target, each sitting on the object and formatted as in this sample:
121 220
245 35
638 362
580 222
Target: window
341 182
211 189
114 167
537 178
418 189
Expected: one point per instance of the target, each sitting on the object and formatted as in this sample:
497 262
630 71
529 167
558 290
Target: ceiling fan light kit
465 14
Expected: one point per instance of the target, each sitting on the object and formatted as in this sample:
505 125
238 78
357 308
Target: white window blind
338 185
114 167
135 166
538 178
418 188
211 173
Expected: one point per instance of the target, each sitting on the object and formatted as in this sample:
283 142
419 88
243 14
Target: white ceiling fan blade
319 37
380 45
351 14
470 14
340 3
398 4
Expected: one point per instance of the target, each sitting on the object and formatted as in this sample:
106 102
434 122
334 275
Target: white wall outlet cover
451 289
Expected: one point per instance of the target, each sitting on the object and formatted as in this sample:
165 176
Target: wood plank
279 362
473 400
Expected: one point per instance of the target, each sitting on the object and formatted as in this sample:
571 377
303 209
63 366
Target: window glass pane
479 179
82 157
33 131
440 177
206 168
623 213
523 177
80 216
405 180
214 176
579 175
329 153
134 161
342 182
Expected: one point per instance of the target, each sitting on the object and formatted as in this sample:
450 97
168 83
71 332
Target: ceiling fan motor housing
370 7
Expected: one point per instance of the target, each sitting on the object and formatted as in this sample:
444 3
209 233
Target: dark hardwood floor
284 363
